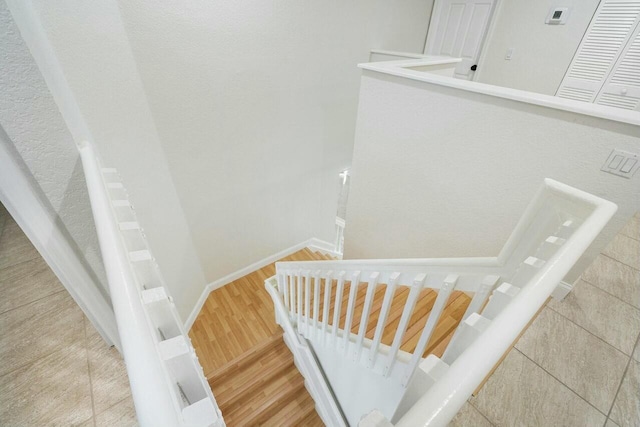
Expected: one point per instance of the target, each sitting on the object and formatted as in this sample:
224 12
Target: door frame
19 196
485 37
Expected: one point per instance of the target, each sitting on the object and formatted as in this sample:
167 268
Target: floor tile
520 393
636 353
611 424
469 416
605 316
624 249
122 414
632 228
3 218
626 408
616 278
38 329
52 391
584 363
109 379
14 246
26 282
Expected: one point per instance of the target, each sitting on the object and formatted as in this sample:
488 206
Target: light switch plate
621 163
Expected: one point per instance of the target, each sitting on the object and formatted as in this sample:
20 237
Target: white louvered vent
575 93
628 71
604 41
619 101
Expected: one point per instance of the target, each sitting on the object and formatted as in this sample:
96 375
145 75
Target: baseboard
562 290
313 244
323 246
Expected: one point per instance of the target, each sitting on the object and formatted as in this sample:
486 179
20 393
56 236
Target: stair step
294 413
251 380
247 358
261 406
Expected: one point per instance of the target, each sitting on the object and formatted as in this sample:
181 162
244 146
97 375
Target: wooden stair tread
251 380
293 414
262 405
243 360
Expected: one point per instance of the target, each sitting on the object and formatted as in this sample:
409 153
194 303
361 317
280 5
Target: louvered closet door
622 88
606 37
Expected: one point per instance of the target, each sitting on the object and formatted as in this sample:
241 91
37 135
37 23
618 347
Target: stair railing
167 382
557 227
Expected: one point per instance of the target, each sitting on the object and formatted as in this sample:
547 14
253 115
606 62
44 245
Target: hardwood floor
251 370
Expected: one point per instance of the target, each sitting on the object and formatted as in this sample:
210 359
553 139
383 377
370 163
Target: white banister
163 371
553 233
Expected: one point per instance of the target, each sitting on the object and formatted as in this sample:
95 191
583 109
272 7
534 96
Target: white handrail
445 398
557 227
156 397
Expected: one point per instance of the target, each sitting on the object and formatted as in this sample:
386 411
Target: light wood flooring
250 369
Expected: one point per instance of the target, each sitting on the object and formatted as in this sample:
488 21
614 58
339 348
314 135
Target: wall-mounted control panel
622 163
557 16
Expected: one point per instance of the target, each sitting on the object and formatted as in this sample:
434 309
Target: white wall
442 172
542 53
31 122
255 104
83 53
229 121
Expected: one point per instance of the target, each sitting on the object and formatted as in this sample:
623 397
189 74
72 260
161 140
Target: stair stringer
358 388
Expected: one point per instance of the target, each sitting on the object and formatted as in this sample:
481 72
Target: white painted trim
313 244
562 290
18 195
400 69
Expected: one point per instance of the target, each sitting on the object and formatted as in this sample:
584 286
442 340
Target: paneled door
606 66
457 29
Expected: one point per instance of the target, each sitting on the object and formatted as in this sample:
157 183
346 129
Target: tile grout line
481 413
607 292
557 379
34 301
617 260
626 369
588 331
86 349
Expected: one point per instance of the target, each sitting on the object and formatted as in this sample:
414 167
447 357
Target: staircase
408 341
359 342
263 387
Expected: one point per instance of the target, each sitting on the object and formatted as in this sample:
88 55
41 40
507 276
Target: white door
457 29
610 30
622 87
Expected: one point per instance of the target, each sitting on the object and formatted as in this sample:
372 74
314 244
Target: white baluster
285 291
307 302
499 300
470 330
337 308
353 290
481 295
416 287
299 301
366 310
328 282
443 296
316 301
382 319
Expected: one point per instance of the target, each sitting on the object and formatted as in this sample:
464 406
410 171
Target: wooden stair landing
250 369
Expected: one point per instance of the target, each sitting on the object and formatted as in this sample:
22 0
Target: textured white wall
441 172
255 104
542 53
31 121
229 121
83 53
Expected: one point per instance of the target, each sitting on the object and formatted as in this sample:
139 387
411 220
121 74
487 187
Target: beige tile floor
577 365
55 369
579 362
